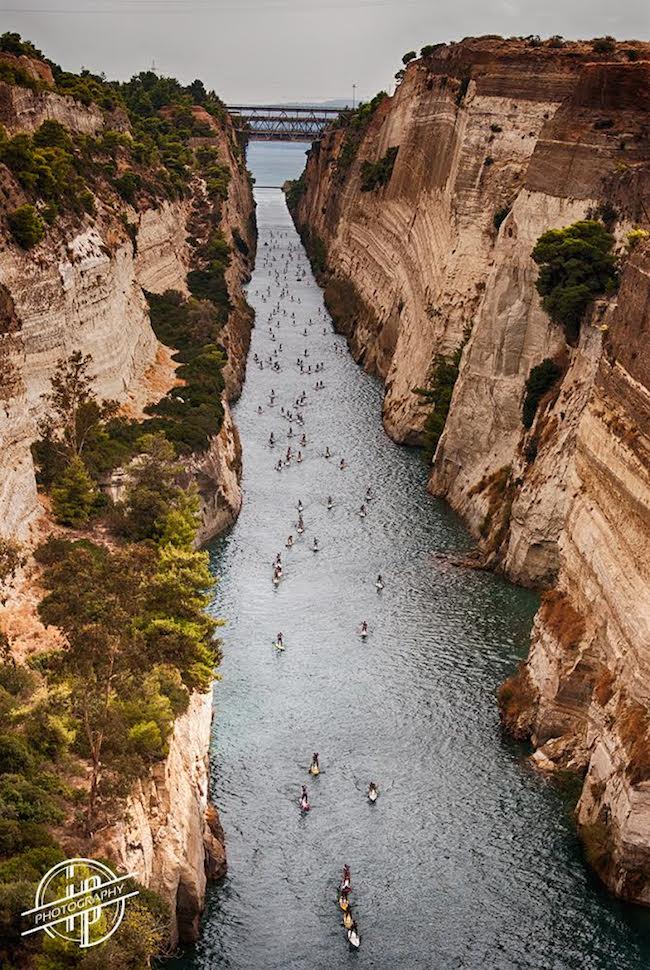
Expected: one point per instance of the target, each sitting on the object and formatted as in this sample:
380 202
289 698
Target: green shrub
462 89
73 494
295 189
128 185
27 801
52 134
603 45
500 215
355 123
16 75
12 43
636 236
15 756
190 415
408 57
427 50
439 394
376 174
541 378
576 264
26 226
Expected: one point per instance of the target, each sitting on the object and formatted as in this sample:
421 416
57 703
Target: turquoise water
469 858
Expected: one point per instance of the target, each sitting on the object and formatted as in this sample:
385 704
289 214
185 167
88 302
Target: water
469 858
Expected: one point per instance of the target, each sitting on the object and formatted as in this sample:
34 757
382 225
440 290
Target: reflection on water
469 858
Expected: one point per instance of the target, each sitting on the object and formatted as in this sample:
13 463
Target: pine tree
73 494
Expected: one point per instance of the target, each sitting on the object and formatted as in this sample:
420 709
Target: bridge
270 122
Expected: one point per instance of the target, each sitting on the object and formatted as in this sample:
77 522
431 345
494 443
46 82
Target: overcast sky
276 50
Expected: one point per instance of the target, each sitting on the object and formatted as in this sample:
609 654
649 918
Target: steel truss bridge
277 123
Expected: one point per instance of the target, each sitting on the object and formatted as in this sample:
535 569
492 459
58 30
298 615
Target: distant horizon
293 51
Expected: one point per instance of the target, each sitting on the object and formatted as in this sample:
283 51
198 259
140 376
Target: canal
468 859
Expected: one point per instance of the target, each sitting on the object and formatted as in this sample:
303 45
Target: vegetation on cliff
376 174
438 395
143 154
541 379
355 124
128 591
577 263
138 641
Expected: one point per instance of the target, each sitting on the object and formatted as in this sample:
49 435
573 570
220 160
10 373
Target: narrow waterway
468 859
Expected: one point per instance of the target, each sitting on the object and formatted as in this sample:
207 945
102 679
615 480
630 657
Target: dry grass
632 725
561 619
517 697
604 687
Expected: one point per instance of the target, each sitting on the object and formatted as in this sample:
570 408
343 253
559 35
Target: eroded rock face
218 473
82 289
170 835
542 139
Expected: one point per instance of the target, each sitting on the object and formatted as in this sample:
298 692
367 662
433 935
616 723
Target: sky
264 51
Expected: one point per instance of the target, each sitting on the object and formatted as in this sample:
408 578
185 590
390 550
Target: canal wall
82 289
497 142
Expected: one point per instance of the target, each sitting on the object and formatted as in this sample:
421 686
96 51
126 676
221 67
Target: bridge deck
270 122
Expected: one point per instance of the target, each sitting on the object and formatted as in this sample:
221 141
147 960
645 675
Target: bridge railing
282 122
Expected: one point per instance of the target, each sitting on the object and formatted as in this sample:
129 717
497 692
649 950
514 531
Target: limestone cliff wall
418 268
81 289
170 837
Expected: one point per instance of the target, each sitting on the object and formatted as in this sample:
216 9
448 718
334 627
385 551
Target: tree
73 494
93 598
73 414
409 56
12 558
576 264
427 50
197 91
153 493
26 226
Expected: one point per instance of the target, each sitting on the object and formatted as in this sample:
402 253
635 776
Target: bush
356 123
376 174
295 189
73 494
576 264
12 43
427 50
636 236
26 226
190 415
540 380
27 801
462 90
443 381
408 57
603 45
127 185
500 215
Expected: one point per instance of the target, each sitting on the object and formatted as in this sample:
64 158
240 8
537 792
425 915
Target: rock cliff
171 837
499 141
82 289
